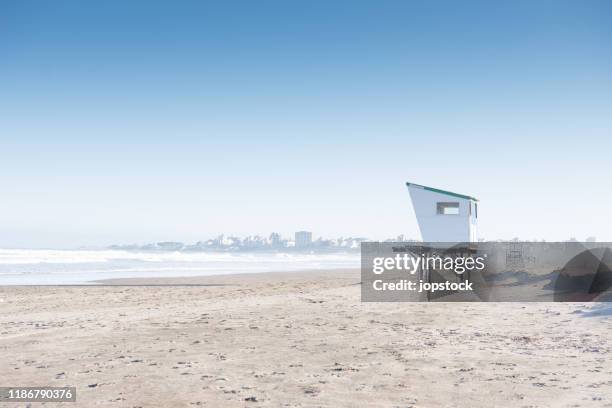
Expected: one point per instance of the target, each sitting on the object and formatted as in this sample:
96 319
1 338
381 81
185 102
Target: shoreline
232 277
158 280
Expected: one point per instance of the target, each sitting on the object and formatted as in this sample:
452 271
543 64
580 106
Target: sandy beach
298 339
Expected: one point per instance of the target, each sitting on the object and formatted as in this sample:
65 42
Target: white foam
33 266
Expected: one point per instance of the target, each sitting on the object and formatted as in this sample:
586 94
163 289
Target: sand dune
299 339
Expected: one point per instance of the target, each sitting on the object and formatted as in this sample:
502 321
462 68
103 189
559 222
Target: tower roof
437 190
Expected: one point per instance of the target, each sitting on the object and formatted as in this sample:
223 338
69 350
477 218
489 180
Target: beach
297 339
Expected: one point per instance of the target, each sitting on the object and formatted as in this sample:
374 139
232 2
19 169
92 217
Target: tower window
448 208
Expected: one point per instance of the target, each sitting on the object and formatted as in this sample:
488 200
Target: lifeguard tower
444 216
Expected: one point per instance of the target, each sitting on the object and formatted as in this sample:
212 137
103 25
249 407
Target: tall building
275 240
303 239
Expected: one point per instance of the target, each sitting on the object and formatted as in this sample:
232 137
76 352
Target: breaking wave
42 266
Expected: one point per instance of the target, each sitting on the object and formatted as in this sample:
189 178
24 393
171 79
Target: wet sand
298 339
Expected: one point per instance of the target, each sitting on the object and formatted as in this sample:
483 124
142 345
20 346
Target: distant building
170 246
444 216
275 240
303 239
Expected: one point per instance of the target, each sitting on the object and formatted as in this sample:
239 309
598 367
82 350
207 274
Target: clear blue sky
143 121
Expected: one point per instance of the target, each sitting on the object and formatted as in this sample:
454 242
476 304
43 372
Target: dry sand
298 339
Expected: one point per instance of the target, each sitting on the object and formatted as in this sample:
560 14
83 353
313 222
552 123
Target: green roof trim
437 190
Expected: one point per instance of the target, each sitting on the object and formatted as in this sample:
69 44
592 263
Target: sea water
66 267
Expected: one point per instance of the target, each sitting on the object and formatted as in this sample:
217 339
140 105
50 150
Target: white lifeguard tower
444 216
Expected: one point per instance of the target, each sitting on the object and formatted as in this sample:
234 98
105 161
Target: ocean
75 267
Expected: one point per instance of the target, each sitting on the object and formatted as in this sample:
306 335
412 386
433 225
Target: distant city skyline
149 121
303 240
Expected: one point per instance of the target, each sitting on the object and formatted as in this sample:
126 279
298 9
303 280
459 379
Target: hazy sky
143 121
